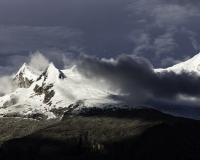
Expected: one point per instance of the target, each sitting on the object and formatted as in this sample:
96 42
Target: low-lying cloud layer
135 77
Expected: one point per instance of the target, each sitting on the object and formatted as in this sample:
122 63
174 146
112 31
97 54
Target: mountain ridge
49 94
25 76
190 65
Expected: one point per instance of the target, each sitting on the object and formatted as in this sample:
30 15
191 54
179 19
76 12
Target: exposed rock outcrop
21 81
45 90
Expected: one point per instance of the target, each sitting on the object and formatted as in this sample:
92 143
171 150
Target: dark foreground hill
107 134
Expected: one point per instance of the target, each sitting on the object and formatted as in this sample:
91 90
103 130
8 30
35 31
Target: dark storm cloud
135 76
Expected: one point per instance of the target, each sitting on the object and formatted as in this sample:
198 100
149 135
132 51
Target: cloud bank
135 77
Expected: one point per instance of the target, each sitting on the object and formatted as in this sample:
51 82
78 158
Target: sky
163 32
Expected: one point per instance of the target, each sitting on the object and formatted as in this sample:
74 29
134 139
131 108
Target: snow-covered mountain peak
25 76
51 69
51 66
24 68
52 74
52 93
191 65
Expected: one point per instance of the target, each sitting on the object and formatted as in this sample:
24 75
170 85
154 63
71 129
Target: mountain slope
51 93
25 76
191 65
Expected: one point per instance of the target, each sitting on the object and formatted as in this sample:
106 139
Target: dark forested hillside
107 134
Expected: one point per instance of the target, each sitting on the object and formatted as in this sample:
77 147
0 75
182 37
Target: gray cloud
135 76
164 43
68 60
174 14
159 45
192 36
162 28
164 12
141 41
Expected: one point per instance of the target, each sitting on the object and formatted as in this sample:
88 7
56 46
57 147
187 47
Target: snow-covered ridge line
25 76
191 65
51 93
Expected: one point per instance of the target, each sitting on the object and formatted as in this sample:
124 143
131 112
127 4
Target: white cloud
68 60
6 85
38 61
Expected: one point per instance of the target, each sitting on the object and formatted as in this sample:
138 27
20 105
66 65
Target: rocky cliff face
21 81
